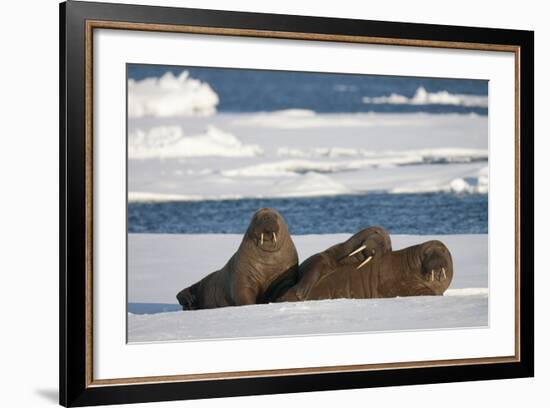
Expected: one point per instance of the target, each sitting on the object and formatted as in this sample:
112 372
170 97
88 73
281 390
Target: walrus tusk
275 237
358 250
444 274
262 238
433 277
364 262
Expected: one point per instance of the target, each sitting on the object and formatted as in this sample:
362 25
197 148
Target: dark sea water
151 308
243 90
433 213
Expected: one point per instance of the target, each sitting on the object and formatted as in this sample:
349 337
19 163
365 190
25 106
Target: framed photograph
256 204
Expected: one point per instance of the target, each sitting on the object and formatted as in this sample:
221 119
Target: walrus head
187 298
428 269
437 265
267 230
368 244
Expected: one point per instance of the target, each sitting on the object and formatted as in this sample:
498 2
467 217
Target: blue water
150 308
242 90
433 213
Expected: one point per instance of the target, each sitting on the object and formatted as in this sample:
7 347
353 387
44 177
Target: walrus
265 260
366 267
315 280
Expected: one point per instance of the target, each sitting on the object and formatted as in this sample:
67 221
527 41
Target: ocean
419 214
444 118
242 90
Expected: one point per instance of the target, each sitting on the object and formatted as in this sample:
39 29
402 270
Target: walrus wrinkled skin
339 271
425 269
266 260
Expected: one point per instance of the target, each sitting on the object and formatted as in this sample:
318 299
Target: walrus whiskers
275 237
364 262
262 238
358 250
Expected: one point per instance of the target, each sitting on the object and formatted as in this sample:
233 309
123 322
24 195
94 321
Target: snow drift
171 142
169 96
423 97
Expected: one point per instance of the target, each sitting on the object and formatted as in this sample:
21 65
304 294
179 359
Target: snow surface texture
159 265
296 153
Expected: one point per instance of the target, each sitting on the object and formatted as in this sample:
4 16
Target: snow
290 167
159 265
302 119
313 317
170 96
304 153
423 97
171 142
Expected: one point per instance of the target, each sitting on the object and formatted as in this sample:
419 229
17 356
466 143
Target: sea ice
159 265
224 156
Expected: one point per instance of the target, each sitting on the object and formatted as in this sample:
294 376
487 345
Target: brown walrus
266 259
347 259
365 267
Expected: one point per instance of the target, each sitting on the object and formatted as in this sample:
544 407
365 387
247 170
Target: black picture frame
76 385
